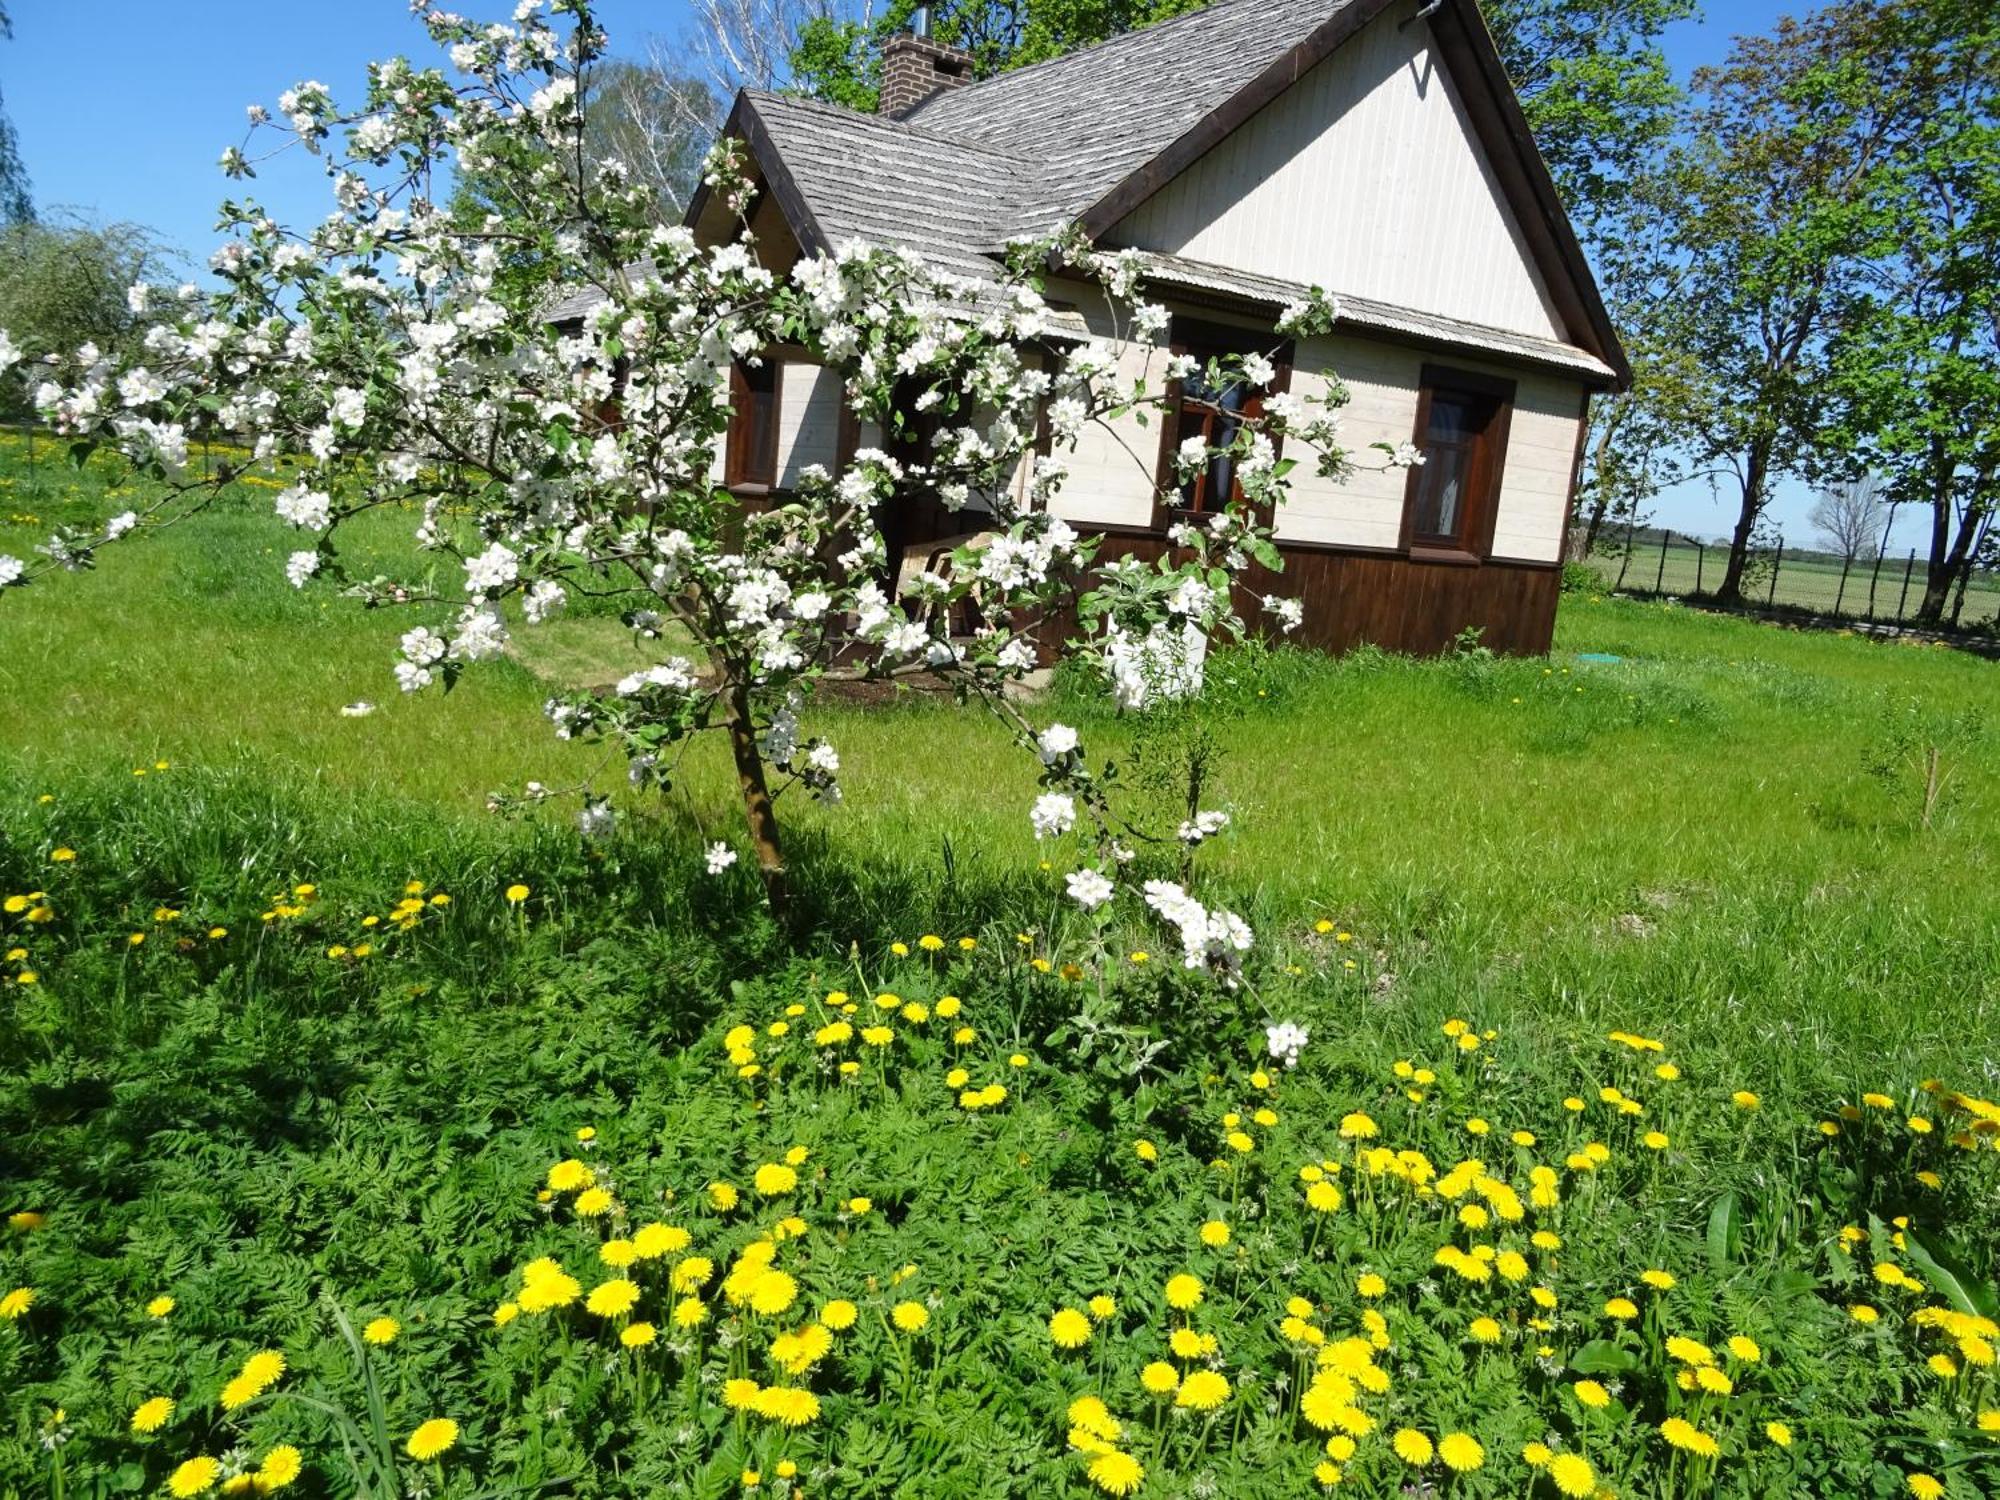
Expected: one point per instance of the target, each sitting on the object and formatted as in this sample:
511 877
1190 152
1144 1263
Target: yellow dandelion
435 1437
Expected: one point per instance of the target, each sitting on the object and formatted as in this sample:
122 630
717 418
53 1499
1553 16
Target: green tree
1775 214
1595 87
1916 375
64 283
16 206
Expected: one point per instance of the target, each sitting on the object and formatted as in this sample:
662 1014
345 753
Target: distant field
1803 581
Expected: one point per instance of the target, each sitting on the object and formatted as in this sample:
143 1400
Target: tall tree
16 207
1596 88
1917 375
1774 217
658 121
1851 518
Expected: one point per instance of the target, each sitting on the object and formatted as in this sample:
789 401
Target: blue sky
123 106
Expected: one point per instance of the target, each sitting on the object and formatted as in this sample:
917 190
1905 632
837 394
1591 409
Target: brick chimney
914 67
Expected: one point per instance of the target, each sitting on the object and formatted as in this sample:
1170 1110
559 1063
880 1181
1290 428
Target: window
1213 412
750 455
1462 433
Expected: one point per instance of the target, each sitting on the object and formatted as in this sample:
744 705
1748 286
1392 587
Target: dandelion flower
774 1179
690 1312
17 1302
1461 1452
791 1406
1621 1308
434 1437
516 894
1778 1433
194 1477
1571 1473
1215 1234
1924 1487
1746 1101
1659 1281
911 1317
1116 1472
382 1331
281 1466
839 1314
1411 1446
1069 1328
740 1394
1102 1307
153 1415
593 1202
1368 1284
1592 1395
1183 1292
1745 1349
1684 1435
1160 1378
1861 1312
638 1335
772 1293
1357 1127
1204 1390
1484 1330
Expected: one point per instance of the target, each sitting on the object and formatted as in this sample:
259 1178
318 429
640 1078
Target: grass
1710 839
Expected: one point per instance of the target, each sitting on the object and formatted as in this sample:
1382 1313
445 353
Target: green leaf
1602 1357
1725 1230
1948 1276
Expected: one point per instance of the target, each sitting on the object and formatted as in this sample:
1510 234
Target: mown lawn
282 1108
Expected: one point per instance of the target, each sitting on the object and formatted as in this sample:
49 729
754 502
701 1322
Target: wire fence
1887 588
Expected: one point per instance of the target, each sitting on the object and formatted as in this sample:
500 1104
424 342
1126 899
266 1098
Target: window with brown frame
1452 496
1213 410
750 453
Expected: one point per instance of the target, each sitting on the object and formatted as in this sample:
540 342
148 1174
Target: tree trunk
1600 496
1756 462
758 812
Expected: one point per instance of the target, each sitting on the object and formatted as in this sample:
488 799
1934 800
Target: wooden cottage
1252 149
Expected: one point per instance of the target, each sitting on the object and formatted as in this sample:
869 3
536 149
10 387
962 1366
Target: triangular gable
1385 157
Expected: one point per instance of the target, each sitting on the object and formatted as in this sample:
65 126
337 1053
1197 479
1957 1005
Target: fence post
1660 574
1908 568
1874 577
1625 561
1841 592
1700 555
1777 562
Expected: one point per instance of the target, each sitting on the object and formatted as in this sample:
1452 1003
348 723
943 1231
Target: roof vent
914 67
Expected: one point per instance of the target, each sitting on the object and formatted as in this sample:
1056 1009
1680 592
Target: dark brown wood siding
1357 598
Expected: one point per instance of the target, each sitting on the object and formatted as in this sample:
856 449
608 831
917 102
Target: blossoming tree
402 354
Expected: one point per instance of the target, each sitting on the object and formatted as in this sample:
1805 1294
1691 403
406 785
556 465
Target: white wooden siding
1364 177
809 399
1112 467
1366 508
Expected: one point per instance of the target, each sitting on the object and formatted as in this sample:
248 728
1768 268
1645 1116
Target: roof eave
747 125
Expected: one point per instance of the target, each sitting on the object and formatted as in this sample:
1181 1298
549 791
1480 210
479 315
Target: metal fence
1886 588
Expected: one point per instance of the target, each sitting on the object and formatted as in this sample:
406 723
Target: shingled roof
1088 136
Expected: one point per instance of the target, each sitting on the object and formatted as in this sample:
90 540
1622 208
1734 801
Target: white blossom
307 509
11 570
300 566
1285 1041
1053 814
720 857
119 524
1089 889
1055 742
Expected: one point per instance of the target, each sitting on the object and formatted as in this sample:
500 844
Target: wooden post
1660 575
1874 577
1700 556
1841 592
1908 568
1626 561
1777 562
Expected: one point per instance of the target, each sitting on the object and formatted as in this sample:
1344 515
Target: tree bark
758 812
1755 468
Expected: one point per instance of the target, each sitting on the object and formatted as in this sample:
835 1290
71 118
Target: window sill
1450 557
745 490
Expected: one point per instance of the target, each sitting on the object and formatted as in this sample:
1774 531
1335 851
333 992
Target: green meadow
307 1032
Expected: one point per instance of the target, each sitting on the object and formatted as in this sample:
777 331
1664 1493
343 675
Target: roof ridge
1150 31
